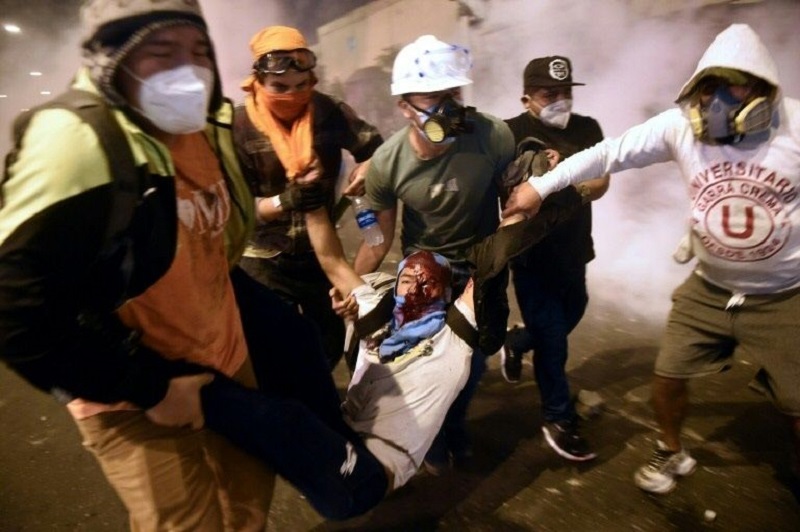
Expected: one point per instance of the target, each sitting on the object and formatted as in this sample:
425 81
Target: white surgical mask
557 113
176 101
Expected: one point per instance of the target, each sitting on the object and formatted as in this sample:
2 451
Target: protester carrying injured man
416 345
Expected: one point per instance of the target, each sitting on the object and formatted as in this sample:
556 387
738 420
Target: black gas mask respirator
446 120
726 120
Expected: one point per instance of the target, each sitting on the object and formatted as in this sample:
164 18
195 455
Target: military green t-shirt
448 202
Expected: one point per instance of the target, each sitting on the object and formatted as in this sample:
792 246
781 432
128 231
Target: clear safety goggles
279 61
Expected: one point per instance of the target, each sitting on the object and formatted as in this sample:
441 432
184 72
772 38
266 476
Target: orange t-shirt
190 313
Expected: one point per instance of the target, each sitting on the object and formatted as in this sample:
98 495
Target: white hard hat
430 65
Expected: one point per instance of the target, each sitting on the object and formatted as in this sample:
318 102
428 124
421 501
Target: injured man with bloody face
411 369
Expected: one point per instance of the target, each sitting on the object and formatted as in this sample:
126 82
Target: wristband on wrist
276 201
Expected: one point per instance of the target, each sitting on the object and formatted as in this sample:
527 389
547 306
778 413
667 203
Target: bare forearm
266 209
330 253
368 258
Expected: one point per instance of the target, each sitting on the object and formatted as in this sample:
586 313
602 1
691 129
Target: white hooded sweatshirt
745 197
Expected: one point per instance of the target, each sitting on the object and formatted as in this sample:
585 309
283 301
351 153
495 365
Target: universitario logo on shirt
740 210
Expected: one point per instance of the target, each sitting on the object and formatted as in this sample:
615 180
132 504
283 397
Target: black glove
303 198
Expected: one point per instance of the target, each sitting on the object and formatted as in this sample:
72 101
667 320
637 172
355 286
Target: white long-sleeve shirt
745 209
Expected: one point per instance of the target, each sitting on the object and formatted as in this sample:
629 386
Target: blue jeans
551 304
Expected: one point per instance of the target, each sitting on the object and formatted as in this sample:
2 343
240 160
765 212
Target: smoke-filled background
633 56
633 67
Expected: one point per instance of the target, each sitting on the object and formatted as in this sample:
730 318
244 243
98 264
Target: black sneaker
510 364
435 469
564 438
511 353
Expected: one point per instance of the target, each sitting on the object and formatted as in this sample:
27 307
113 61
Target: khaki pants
177 479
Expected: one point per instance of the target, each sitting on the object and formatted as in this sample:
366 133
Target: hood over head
737 47
113 28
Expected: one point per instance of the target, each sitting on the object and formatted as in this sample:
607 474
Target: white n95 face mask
557 113
176 101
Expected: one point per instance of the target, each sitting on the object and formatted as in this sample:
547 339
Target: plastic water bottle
367 221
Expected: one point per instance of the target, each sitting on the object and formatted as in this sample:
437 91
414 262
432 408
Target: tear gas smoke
633 65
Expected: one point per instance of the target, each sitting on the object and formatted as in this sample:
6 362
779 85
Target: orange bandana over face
293 145
285 118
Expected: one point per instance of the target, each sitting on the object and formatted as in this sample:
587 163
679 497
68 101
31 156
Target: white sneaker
658 475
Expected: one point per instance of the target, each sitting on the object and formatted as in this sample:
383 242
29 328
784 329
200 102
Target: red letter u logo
747 232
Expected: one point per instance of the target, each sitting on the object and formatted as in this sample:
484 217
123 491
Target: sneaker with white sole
563 437
516 345
510 364
658 475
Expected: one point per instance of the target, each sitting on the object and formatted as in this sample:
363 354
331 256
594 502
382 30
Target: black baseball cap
550 71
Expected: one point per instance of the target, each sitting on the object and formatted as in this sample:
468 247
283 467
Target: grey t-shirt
450 201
